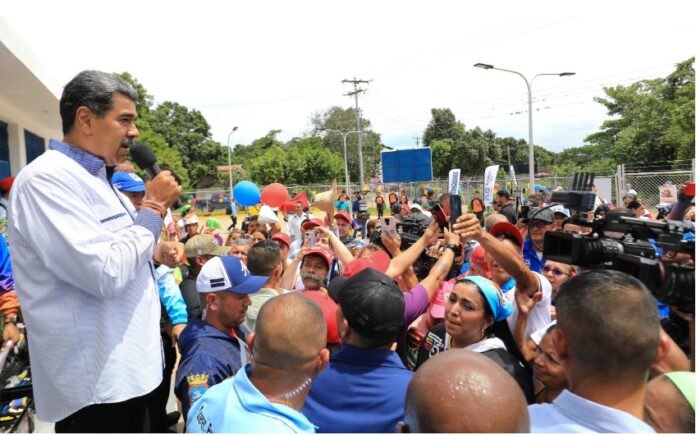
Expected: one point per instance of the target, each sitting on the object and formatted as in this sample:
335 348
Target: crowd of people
322 321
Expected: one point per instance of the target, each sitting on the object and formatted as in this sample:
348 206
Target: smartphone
689 189
312 237
455 208
439 216
388 225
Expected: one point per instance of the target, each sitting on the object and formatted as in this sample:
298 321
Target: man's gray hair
94 90
241 242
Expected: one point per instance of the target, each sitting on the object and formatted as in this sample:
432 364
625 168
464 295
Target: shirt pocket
112 218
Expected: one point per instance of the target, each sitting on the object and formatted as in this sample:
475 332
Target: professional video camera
410 230
623 242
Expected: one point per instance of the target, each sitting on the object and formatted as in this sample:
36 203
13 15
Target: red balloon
274 195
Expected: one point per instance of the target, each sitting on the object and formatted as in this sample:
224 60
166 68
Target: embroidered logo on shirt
198 385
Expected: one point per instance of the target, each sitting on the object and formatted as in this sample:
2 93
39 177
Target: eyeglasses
556 271
538 224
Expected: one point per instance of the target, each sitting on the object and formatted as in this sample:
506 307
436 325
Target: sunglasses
556 271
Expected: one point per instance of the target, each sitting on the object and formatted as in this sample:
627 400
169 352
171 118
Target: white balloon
266 215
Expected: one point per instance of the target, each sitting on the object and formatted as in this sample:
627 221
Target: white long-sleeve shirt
83 273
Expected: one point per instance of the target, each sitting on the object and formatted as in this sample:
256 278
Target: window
4 151
35 145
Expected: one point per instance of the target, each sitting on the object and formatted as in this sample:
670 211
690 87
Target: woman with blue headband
475 313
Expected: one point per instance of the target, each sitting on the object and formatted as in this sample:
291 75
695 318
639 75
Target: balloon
190 197
537 187
497 186
267 216
246 193
275 195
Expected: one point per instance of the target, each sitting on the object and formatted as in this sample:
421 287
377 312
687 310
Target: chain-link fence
644 178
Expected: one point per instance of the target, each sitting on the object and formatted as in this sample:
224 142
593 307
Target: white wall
46 125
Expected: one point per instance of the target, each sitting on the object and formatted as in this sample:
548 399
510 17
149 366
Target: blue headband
500 308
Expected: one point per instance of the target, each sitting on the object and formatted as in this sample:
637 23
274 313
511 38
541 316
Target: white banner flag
489 183
514 178
453 187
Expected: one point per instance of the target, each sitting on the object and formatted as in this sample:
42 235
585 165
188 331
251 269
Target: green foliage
441 150
652 120
443 125
165 153
304 161
337 118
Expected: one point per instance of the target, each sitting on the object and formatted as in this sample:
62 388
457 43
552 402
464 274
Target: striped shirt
83 274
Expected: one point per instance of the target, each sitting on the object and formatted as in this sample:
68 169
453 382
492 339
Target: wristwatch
454 247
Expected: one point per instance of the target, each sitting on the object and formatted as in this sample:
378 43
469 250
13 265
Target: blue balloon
246 193
537 187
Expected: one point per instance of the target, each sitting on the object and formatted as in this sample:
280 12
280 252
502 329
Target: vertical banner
488 183
453 187
514 178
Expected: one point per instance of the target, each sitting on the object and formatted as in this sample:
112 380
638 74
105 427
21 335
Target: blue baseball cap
128 182
228 273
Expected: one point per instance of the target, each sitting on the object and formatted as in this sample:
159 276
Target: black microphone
145 159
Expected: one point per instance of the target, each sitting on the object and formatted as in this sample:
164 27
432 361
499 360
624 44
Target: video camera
410 230
620 241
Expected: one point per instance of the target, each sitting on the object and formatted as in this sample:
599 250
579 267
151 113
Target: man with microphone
83 265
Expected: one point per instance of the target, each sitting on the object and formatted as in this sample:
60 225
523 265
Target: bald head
463 391
290 332
494 219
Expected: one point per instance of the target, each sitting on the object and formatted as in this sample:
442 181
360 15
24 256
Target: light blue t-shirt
572 413
235 405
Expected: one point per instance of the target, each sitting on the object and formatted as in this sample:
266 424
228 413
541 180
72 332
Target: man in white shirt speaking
83 265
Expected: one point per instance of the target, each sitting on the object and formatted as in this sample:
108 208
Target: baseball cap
228 273
373 305
128 182
281 237
378 261
204 244
6 183
193 219
213 223
311 223
478 258
185 208
323 253
343 215
560 209
417 207
506 228
537 214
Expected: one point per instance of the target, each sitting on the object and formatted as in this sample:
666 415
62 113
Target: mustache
127 142
312 276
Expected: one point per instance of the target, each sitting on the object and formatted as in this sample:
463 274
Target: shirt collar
598 417
254 401
368 356
90 162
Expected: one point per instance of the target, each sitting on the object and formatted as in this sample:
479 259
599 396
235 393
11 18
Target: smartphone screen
455 208
439 216
312 237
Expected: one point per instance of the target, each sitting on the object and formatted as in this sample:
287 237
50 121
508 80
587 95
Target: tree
443 125
162 149
337 118
652 120
441 150
188 132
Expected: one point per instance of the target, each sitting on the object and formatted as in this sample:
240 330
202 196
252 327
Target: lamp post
529 108
229 158
345 151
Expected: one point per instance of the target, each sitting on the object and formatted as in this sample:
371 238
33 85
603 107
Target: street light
229 158
345 151
529 109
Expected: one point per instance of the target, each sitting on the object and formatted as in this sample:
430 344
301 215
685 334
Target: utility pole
417 138
355 93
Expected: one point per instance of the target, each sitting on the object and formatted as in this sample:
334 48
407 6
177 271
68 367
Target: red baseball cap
343 215
317 250
506 228
328 309
316 222
281 237
378 261
478 258
6 183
